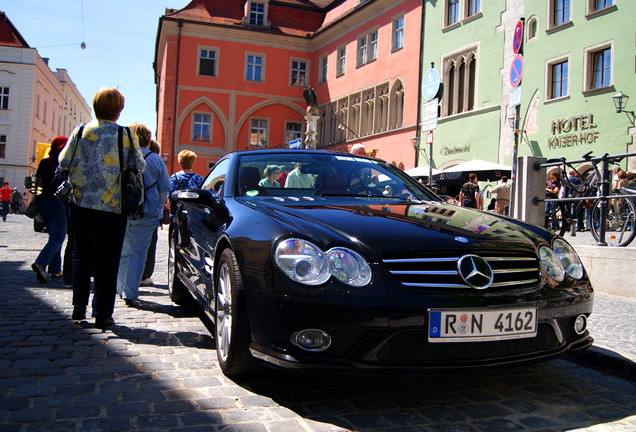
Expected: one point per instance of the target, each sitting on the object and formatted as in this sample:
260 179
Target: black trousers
99 237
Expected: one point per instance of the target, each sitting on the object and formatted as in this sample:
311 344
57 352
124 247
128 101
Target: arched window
460 80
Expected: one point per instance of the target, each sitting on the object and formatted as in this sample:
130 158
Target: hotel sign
573 131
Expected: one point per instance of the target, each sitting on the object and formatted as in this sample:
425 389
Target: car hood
384 226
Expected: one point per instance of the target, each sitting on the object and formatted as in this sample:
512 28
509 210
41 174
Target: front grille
413 345
517 269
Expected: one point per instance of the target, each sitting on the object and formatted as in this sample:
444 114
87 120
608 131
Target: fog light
311 340
580 324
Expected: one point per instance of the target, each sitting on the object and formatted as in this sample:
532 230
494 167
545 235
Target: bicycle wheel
620 229
555 218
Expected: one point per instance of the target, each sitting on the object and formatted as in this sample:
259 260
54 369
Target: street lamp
620 102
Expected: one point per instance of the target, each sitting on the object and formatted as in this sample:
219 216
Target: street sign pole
513 172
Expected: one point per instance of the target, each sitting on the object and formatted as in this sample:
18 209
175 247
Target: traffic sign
514 97
429 115
430 84
297 143
429 138
516 70
517 38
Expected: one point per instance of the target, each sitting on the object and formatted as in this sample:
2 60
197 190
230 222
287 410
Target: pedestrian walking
5 199
149 268
502 190
469 195
186 178
139 232
53 213
16 203
98 222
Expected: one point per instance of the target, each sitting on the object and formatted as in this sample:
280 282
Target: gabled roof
9 35
288 17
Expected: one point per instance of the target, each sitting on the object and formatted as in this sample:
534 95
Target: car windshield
313 174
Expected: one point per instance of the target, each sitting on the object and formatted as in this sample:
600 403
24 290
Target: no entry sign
516 69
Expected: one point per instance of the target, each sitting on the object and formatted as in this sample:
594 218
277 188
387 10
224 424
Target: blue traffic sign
516 70
297 143
430 84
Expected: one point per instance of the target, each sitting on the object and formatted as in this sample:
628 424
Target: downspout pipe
175 134
419 89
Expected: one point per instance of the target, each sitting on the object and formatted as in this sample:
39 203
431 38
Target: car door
204 228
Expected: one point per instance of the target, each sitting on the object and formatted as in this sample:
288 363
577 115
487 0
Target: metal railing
604 189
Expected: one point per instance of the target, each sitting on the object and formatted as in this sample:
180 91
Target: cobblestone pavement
156 370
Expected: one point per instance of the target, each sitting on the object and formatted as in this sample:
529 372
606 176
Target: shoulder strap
78 137
181 185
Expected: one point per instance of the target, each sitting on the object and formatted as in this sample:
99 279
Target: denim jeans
5 210
53 214
133 256
99 236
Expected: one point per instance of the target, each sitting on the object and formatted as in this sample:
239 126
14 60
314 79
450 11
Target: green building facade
576 55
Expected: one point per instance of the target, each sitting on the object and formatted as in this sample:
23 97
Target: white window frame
249 54
44 112
215 50
549 72
398 33
247 13
588 68
341 60
3 146
195 123
367 49
37 106
323 68
532 28
291 81
297 134
259 130
448 108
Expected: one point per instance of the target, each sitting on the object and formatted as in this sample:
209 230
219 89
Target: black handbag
32 209
132 182
61 176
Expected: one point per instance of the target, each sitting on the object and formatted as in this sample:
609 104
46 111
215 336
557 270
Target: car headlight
551 263
304 262
568 258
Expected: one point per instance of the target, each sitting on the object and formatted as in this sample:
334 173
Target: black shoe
102 323
39 272
132 302
79 312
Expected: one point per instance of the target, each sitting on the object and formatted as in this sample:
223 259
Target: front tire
177 291
232 327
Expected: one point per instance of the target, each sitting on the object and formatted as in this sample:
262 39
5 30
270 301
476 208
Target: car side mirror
202 198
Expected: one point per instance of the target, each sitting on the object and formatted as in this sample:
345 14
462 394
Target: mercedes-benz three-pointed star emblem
475 271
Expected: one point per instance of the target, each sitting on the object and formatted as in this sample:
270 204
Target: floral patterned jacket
94 170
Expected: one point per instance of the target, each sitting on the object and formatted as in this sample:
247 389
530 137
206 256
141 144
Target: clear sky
120 40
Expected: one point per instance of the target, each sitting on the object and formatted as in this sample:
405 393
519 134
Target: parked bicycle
618 213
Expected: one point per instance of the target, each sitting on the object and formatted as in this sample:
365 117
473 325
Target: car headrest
334 180
249 176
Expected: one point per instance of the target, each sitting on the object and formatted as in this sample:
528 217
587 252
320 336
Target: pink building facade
230 76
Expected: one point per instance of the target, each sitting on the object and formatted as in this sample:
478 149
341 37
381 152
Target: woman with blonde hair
139 232
98 222
186 178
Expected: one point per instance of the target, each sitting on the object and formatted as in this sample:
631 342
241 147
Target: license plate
456 325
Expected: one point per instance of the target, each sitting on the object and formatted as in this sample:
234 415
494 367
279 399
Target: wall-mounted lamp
620 103
415 141
165 157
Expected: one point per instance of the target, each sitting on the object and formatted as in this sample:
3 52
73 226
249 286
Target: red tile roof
289 17
9 35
